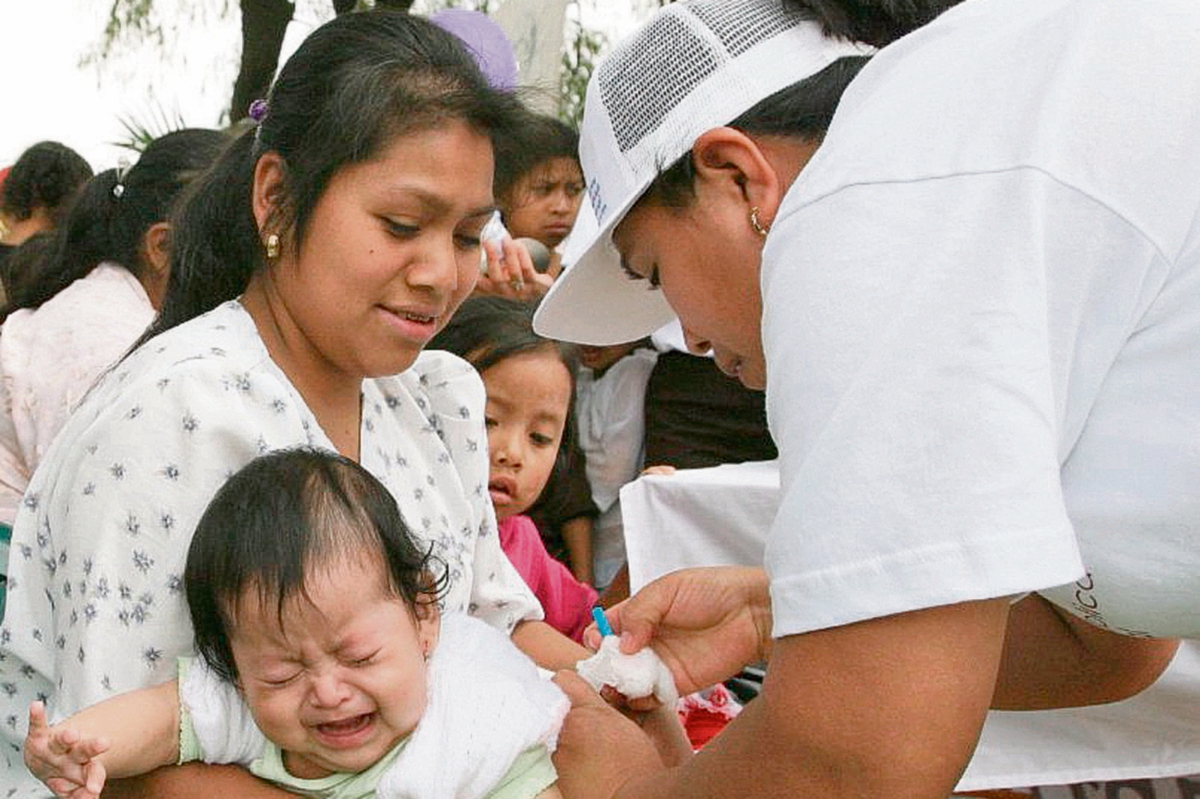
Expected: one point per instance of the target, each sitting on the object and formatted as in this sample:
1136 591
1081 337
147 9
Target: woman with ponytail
79 296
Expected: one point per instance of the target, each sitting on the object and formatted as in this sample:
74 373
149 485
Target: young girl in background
325 665
530 384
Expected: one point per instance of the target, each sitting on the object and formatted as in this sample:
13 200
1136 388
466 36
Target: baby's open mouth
345 726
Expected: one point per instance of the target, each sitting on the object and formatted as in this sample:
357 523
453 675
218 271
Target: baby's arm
550 793
129 734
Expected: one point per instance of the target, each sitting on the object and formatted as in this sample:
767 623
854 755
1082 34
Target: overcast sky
48 94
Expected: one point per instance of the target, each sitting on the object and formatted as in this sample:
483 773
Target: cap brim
593 301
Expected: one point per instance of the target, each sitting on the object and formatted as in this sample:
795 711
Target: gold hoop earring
754 223
272 247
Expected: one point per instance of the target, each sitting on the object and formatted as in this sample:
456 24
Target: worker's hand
598 748
705 624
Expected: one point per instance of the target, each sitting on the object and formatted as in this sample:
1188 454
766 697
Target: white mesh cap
693 67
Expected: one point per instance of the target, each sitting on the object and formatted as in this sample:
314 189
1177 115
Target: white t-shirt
611 417
95 602
982 324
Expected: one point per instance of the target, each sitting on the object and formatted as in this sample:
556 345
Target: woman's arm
577 536
195 781
1055 659
885 707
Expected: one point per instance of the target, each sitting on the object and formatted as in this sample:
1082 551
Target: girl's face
391 250
545 201
341 678
528 396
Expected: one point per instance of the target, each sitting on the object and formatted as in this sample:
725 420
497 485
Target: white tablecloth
704 517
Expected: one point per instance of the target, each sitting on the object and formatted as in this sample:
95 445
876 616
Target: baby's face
343 679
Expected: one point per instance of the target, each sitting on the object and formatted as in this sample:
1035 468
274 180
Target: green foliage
141 130
131 23
579 56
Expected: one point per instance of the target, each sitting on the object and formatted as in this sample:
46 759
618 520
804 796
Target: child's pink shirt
566 602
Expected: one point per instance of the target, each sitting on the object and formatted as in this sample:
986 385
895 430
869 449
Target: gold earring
754 223
272 247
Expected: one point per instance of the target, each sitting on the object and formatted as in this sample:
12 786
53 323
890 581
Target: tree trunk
263 25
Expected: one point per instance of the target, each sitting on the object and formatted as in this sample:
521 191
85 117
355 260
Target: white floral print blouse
95 602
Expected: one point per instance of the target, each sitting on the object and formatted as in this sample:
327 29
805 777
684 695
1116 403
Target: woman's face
391 250
705 259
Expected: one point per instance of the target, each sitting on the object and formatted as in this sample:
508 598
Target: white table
704 517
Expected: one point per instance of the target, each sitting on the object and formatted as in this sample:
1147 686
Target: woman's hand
705 624
510 272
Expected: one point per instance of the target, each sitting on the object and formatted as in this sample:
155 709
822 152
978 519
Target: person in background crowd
530 419
89 291
36 192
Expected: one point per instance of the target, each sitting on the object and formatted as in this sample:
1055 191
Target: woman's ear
156 260
736 164
761 168
270 173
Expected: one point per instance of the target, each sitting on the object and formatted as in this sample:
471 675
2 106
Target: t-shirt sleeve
911 390
215 725
531 773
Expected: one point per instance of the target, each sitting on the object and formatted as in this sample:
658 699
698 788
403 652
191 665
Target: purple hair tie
258 110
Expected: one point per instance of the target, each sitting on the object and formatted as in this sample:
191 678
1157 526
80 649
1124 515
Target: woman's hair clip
122 171
258 110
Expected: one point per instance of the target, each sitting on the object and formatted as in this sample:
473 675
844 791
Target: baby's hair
279 519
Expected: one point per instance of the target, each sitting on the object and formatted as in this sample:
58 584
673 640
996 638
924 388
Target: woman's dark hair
279 518
802 111
537 139
487 330
108 223
46 175
876 22
355 84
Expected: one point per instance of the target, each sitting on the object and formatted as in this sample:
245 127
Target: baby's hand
62 758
